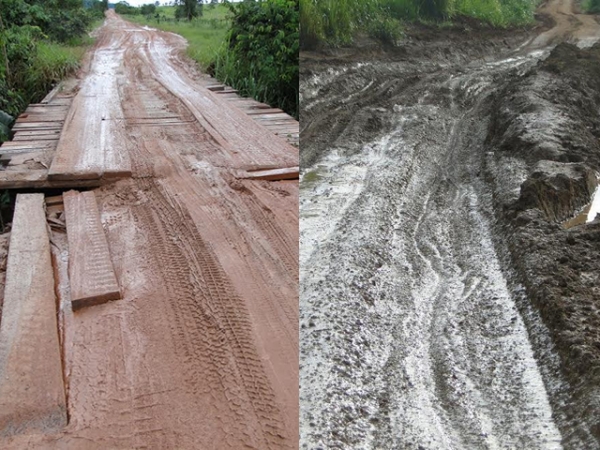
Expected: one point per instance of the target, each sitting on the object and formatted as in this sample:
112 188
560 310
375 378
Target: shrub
32 51
261 58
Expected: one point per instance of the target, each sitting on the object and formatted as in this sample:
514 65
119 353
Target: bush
386 30
261 58
149 9
33 54
592 6
126 8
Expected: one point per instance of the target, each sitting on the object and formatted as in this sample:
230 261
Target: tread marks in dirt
212 322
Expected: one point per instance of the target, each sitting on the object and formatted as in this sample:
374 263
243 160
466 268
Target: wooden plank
91 272
216 87
50 96
38 179
8 145
269 116
22 158
49 105
54 200
36 132
9 152
41 137
32 392
266 112
45 118
83 151
36 126
277 121
287 173
61 101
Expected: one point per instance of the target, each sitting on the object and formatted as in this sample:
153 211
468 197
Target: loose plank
91 274
32 393
287 173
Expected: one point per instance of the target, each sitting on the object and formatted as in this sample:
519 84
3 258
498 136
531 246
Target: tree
188 9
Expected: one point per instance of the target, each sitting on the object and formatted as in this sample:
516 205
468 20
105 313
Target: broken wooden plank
54 200
50 96
32 392
22 158
91 274
287 173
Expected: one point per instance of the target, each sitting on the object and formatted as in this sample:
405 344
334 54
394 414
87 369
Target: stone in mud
558 189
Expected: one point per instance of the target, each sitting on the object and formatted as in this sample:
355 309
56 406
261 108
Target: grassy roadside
206 34
335 22
42 65
591 6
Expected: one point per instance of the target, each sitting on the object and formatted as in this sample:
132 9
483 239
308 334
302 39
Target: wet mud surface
444 304
202 350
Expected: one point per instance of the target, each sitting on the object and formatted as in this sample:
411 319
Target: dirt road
431 316
202 350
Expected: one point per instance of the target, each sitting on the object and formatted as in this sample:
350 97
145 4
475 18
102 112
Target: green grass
205 34
311 177
335 22
591 6
47 63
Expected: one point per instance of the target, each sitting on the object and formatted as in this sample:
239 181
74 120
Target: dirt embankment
548 121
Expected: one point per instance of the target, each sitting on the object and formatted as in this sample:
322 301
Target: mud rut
414 333
202 351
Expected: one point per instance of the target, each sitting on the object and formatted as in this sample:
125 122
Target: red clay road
202 351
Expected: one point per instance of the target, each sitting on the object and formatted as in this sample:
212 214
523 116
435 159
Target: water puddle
588 214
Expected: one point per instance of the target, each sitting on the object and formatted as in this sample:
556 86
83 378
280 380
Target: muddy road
202 350
445 301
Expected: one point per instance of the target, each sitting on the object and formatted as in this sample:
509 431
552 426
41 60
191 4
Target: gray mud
443 302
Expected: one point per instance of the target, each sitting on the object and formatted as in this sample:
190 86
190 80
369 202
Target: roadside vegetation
591 6
252 45
41 42
335 22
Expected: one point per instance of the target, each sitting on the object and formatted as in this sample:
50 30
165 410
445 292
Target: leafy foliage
261 56
188 9
592 6
37 39
126 8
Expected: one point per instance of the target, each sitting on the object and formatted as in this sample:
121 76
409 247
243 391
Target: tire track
212 324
